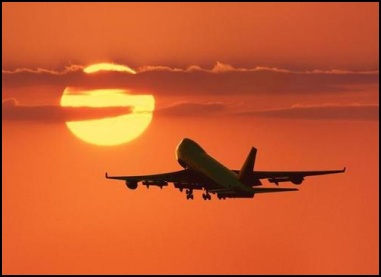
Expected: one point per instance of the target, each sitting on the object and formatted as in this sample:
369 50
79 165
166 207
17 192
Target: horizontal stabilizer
220 190
265 190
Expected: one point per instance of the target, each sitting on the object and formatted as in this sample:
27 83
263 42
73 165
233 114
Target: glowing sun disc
108 67
111 130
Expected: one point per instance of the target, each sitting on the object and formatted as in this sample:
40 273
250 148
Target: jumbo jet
203 172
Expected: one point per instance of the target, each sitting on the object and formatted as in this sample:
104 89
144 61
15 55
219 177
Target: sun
112 130
108 67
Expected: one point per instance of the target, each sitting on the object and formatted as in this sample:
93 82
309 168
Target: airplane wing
255 190
175 176
265 190
183 179
275 174
186 179
226 192
295 177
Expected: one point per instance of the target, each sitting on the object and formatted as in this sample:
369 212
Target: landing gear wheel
206 196
189 193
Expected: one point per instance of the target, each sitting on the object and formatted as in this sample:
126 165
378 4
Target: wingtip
344 168
106 175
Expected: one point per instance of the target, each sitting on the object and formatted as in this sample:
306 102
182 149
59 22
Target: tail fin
247 169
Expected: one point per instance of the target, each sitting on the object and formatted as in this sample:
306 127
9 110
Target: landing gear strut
206 196
189 194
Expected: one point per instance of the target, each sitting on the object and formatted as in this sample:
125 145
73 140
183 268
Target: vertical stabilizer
246 172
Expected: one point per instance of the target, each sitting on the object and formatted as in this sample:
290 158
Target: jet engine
294 180
132 184
297 180
160 184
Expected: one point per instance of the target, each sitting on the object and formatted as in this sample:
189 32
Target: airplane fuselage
191 156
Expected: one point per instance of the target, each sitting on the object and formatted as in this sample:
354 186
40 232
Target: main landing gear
206 196
189 194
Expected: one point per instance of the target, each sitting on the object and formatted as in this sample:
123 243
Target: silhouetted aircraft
203 172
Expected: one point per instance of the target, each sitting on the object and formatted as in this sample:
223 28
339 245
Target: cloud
302 112
322 112
192 109
12 111
220 80
222 68
363 112
9 103
67 69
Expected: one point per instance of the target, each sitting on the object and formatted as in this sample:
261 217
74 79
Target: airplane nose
186 140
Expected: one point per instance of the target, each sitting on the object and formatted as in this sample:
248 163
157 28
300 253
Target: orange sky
306 34
297 81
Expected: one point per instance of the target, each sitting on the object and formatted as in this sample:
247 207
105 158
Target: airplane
202 172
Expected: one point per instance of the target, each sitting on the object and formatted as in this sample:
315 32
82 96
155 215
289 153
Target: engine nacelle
297 180
181 186
155 183
132 184
294 180
223 195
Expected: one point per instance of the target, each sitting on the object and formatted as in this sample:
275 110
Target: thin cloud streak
193 109
67 69
217 68
323 112
50 114
362 112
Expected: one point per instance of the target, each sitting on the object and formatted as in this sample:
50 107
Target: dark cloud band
220 80
12 111
339 112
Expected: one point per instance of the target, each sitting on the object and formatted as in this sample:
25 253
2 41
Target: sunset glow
113 130
108 67
89 88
